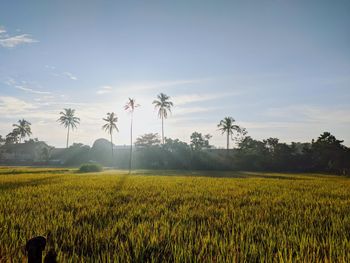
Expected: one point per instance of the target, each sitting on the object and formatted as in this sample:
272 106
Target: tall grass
235 217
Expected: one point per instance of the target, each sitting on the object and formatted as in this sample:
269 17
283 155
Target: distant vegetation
90 167
176 216
324 154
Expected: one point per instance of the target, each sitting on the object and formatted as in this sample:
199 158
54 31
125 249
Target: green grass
154 216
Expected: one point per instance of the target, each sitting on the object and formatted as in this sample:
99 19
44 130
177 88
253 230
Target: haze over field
280 68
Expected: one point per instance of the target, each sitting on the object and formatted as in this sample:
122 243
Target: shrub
90 167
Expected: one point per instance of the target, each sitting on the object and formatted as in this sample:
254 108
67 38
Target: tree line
325 154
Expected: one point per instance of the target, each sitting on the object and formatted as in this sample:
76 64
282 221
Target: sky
280 68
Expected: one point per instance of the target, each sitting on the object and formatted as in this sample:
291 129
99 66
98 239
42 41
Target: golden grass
156 216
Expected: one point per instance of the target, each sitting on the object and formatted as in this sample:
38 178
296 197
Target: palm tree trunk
130 159
67 137
112 145
228 141
162 129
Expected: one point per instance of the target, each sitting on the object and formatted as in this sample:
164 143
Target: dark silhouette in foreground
35 247
51 256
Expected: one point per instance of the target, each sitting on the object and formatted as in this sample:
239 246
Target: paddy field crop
164 216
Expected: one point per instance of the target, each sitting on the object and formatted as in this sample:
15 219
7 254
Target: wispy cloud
104 90
14 41
32 90
8 41
50 67
143 87
192 98
69 75
310 113
192 110
151 85
23 85
57 73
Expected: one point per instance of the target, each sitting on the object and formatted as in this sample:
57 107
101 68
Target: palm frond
163 105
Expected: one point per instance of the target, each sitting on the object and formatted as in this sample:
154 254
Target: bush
90 167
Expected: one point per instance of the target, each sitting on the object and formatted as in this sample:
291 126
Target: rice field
165 216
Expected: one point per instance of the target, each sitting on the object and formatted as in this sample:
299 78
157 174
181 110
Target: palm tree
164 106
227 126
68 120
23 129
130 107
111 125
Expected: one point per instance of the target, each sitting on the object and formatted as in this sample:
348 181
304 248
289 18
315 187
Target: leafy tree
149 153
130 106
147 140
284 157
164 106
12 137
68 120
198 141
77 153
227 126
111 125
46 153
177 154
271 144
23 128
251 154
34 140
328 153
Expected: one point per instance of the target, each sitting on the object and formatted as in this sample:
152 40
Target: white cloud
104 90
10 42
2 30
12 105
23 85
69 75
50 67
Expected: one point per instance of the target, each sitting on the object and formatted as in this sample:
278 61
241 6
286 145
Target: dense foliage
325 154
176 216
90 167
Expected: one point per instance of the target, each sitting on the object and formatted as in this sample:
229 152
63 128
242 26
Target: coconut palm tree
111 125
130 106
68 120
164 106
227 126
23 129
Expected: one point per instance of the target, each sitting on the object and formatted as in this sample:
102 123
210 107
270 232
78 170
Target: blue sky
280 68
